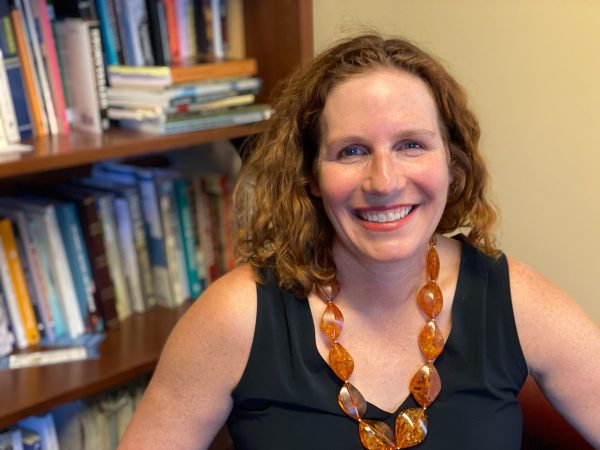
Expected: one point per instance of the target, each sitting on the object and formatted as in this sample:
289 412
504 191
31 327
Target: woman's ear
314 188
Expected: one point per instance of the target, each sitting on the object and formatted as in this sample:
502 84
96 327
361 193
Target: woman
370 158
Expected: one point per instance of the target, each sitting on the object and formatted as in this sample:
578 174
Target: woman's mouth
384 216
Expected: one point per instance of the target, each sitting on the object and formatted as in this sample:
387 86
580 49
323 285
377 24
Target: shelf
130 351
78 148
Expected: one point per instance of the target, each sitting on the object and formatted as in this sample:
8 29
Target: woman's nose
384 176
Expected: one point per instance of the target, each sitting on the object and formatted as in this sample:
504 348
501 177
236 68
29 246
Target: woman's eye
352 150
411 145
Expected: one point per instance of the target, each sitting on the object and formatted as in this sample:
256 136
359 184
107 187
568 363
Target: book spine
39 65
113 254
141 246
156 239
39 237
197 232
115 28
12 62
183 31
172 33
164 189
39 302
189 237
218 49
40 10
158 39
63 275
39 288
7 108
104 294
12 304
108 36
207 234
130 266
15 269
134 16
119 14
30 82
99 73
7 338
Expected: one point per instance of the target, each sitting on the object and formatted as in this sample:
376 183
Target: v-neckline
321 365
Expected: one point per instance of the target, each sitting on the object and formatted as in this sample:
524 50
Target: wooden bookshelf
278 36
128 352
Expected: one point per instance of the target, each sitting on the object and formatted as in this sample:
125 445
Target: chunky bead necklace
425 385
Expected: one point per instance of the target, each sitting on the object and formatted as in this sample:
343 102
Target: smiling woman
345 204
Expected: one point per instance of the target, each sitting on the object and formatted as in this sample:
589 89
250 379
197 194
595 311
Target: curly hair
281 226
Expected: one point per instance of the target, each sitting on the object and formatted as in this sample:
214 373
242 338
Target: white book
129 254
7 338
11 300
106 212
87 94
10 126
43 211
39 66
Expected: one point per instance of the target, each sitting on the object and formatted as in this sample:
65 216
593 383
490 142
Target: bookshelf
278 35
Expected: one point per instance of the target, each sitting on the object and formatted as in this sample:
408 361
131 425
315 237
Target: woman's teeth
386 216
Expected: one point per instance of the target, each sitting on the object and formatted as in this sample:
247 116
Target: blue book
106 30
13 71
189 238
143 179
79 263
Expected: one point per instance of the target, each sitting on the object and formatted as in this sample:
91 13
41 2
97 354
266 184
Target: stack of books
168 100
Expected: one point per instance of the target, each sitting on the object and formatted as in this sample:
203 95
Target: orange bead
431 340
332 322
352 401
411 427
433 264
425 385
340 361
376 435
430 299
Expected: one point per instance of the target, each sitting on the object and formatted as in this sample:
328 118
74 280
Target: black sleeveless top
287 397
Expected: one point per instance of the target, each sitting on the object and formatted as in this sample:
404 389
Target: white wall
532 69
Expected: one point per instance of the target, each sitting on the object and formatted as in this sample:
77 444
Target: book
30 82
39 9
131 196
31 439
143 179
79 263
7 339
207 235
12 61
189 238
34 40
85 77
184 11
171 22
32 270
16 289
129 254
222 118
135 22
108 31
8 116
177 111
183 72
104 293
43 211
159 38
44 426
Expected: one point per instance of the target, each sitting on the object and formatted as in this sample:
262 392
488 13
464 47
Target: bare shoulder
558 340
189 397
544 314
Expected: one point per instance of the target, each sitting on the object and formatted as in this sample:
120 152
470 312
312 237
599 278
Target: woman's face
383 171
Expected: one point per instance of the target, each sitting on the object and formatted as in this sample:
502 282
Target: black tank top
287 397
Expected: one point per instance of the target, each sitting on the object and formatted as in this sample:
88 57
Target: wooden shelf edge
63 152
141 335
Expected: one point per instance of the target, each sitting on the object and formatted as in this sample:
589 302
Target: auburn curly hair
281 226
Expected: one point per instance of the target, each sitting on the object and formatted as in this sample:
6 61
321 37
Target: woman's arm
189 396
562 348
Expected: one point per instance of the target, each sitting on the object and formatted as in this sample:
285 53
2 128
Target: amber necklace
425 385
